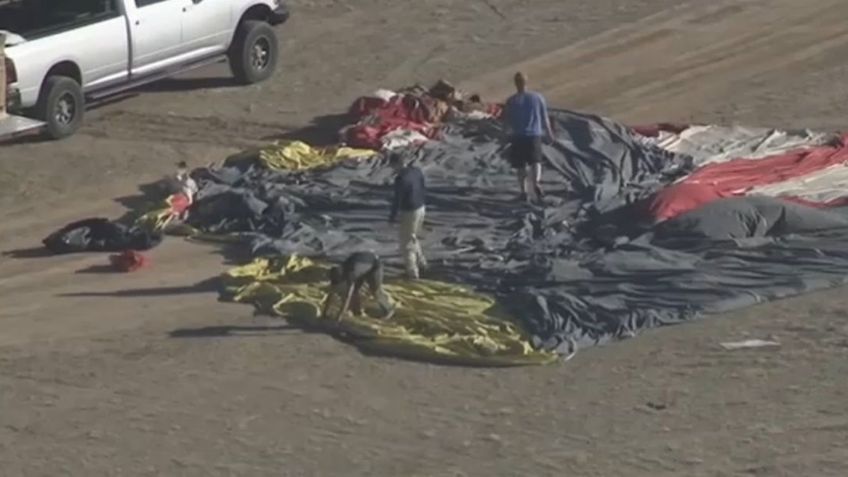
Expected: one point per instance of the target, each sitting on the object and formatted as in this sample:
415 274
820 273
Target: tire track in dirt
667 65
778 50
178 129
77 302
555 67
23 270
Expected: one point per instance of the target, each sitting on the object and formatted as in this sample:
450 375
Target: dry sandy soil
146 374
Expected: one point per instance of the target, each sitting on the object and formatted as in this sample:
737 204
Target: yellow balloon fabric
299 156
434 321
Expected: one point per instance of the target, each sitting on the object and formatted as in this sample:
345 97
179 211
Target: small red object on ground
179 203
128 261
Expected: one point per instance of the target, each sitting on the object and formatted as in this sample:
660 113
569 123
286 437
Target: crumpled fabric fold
299 156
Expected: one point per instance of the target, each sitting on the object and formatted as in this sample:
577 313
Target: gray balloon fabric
547 264
748 217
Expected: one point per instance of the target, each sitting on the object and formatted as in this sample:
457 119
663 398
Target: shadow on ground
148 195
28 137
96 269
168 85
32 252
323 131
235 331
209 285
177 85
230 331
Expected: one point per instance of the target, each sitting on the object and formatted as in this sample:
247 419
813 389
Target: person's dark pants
525 151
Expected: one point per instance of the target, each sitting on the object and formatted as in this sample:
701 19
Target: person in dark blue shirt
527 122
409 203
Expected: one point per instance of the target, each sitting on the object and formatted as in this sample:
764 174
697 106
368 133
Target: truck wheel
61 105
253 56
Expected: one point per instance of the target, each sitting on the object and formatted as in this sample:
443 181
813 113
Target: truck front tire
253 56
61 105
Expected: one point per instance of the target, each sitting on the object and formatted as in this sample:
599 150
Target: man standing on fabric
409 201
527 121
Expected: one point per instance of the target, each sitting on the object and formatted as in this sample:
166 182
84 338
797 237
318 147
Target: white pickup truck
64 54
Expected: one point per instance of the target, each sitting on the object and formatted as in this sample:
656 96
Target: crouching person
347 280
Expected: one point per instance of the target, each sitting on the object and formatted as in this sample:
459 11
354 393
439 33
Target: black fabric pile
575 272
100 235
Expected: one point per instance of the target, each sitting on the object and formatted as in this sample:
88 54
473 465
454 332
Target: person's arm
346 303
548 127
423 184
505 118
396 199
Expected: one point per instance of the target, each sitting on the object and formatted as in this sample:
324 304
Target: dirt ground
146 374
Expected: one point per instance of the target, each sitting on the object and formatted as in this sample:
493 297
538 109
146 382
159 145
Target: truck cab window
144 3
36 18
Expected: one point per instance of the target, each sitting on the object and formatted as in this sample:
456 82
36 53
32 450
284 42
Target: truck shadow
175 85
168 85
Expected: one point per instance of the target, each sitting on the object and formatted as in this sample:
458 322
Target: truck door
207 26
155 33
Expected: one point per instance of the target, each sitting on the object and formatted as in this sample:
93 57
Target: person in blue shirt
527 122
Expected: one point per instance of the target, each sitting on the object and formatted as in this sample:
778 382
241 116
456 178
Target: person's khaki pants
410 248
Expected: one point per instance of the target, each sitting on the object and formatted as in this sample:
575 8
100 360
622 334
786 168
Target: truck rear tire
253 55
61 105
